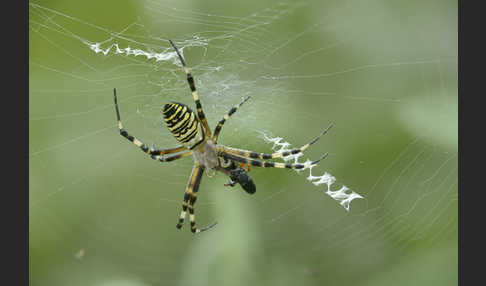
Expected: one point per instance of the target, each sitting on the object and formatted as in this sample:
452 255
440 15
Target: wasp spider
192 130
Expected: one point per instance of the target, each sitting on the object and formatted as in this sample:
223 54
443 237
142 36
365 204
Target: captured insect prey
238 175
192 131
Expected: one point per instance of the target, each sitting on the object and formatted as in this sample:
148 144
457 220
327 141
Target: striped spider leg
190 197
254 155
195 97
226 117
239 175
245 156
266 164
154 153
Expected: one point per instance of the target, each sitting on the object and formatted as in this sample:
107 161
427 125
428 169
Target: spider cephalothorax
192 130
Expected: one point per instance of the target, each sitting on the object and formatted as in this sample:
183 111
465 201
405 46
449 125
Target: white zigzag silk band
343 196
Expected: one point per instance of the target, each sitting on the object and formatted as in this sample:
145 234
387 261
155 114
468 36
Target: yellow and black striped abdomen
183 123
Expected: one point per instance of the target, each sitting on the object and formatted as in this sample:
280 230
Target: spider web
102 213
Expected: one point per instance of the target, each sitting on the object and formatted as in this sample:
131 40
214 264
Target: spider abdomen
183 124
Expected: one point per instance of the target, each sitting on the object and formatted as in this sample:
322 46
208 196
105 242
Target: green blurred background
384 72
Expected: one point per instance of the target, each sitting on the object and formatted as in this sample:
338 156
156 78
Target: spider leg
225 117
190 197
255 155
192 216
172 157
192 86
266 164
139 143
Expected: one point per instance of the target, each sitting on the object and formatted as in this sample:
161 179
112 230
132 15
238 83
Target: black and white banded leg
192 86
172 157
266 164
264 156
190 197
140 144
226 117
